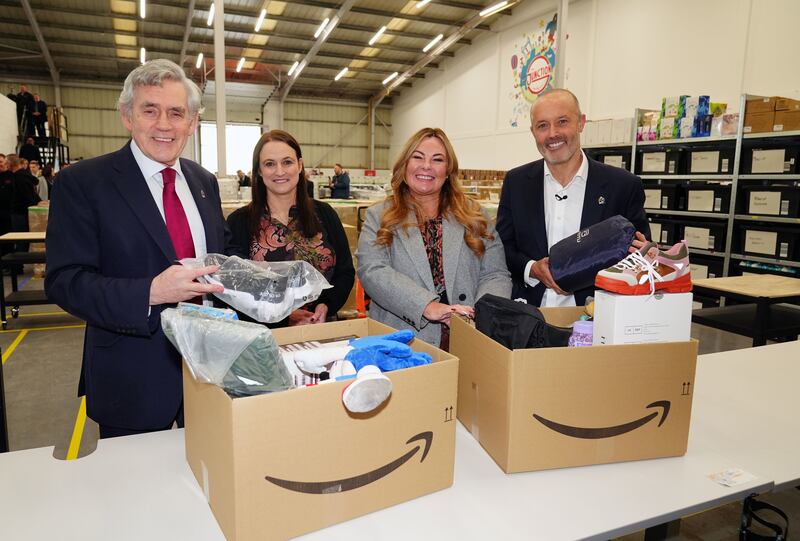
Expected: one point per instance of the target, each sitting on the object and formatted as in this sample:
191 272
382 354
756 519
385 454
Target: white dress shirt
151 170
562 218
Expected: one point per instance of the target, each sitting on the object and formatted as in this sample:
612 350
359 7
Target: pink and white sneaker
649 270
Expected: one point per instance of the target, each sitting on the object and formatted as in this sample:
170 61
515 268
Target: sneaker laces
635 262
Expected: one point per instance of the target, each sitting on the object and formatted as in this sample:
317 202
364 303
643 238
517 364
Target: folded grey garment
241 357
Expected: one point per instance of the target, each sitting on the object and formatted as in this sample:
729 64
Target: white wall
8 126
620 54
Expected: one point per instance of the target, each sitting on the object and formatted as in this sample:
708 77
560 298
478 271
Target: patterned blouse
279 242
432 238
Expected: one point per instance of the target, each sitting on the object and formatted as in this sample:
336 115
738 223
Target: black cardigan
343 272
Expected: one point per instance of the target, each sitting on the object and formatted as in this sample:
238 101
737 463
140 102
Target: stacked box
759 115
705 235
769 241
711 161
664 231
705 196
771 200
658 162
771 160
660 195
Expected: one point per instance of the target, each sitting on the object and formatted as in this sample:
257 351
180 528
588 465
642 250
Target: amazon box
279 465
539 409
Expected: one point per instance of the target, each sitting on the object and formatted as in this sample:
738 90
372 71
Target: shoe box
638 319
660 194
539 409
664 231
771 241
704 234
660 161
771 199
278 465
704 196
719 162
773 159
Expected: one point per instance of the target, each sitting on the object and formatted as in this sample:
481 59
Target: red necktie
177 224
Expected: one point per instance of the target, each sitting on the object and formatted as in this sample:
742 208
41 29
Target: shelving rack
733 217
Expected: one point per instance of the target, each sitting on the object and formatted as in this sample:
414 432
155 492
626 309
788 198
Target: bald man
545 201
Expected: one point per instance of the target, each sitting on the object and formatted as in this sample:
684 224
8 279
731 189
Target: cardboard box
638 319
537 409
760 105
786 121
279 465
787 104
758 122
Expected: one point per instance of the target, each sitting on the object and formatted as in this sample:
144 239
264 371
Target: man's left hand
638 242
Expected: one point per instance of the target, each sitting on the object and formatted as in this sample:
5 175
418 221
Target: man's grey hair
154 73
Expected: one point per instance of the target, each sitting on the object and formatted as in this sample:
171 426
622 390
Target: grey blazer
399 281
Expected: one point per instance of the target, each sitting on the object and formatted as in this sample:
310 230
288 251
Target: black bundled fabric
576 260
516 325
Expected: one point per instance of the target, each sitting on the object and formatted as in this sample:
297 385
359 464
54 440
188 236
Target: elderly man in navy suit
118 224
547 200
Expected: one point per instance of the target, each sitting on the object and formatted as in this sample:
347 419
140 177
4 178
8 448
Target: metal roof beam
187 30
26 6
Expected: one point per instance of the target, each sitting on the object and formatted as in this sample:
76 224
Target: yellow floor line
14 345
34 314
77 432
81 326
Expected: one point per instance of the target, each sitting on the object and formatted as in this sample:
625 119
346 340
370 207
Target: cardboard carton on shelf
760 105
787 104
279 465
537 409
759 122
788 120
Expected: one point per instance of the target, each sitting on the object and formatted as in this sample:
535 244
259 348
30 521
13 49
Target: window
240 141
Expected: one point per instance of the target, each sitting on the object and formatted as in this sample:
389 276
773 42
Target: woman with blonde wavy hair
427 245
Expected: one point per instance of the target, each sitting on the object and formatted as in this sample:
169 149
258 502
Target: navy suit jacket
106 241
520 216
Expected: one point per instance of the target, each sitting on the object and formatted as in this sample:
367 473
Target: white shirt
562 218
151 170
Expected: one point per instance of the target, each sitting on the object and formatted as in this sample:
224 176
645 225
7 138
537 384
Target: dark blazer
333 231
520 216
106 241
340 186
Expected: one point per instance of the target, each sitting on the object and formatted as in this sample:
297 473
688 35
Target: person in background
340 183
49 176
24 101
39 115
117 225
428 251
547 200
244 180
30 151
6 200
42 187
24 196
282 223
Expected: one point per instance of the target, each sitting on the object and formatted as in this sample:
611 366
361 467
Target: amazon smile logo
351 483
607 431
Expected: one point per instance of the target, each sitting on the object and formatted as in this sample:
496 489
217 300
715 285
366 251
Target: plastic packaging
581 334
266 291
240 357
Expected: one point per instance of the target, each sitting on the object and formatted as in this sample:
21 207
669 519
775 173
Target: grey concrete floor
41 379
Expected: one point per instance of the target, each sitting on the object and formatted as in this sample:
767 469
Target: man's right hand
541 271
178 283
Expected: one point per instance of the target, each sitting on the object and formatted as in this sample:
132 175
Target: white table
140 487
747 406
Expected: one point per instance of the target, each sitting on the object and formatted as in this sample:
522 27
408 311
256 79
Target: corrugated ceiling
99 40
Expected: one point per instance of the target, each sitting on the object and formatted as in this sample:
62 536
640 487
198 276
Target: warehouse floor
41 364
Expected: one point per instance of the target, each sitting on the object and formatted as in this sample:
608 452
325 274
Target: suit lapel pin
601 200
203 194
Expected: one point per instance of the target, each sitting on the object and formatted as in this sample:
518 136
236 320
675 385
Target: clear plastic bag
241 357
266 291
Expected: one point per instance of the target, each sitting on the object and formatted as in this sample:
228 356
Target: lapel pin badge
601 200
203 194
